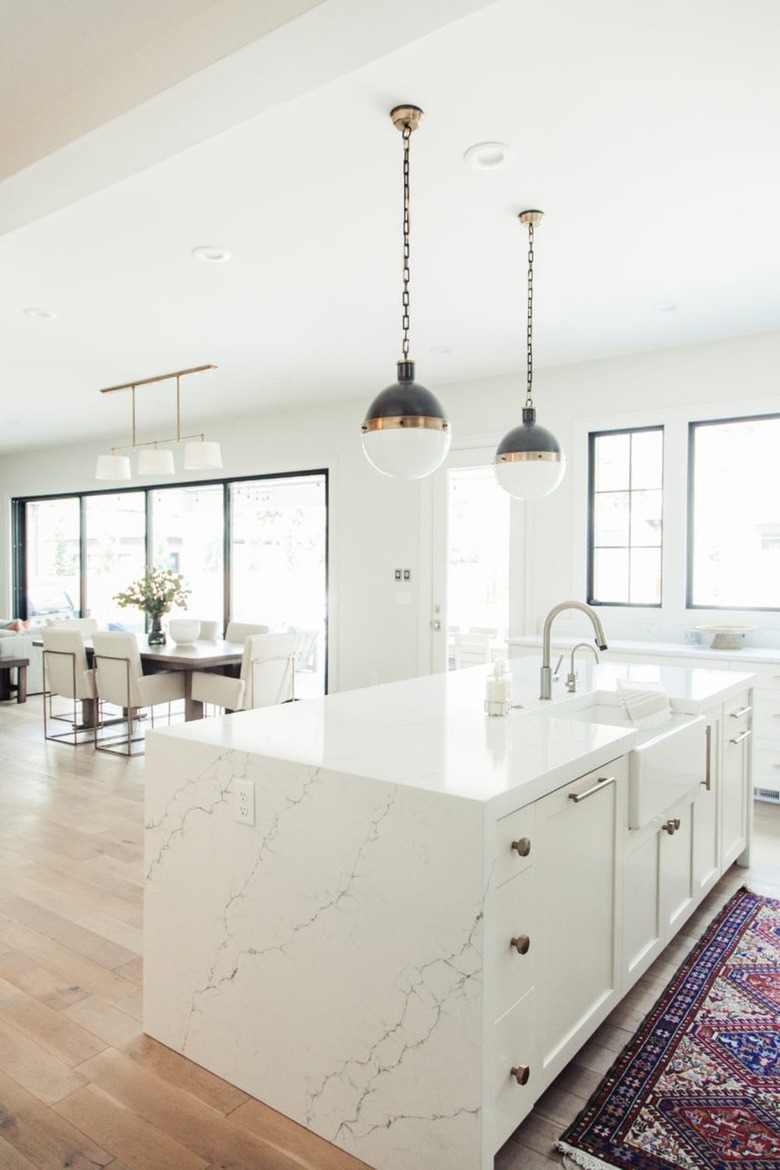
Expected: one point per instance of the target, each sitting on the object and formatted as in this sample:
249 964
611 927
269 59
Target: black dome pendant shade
405 404
528 441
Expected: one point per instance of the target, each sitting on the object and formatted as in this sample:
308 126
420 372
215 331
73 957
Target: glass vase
157 633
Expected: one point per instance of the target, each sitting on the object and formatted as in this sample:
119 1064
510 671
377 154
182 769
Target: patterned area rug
698 1087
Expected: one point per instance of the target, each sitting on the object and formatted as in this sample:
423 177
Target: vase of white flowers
155 593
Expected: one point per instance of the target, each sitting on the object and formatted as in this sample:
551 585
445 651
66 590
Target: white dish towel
646 706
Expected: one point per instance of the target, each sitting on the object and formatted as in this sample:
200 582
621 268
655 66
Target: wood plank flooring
81 1087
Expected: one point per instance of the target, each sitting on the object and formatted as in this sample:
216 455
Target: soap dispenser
498 697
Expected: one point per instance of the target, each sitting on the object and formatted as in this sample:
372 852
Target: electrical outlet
245 802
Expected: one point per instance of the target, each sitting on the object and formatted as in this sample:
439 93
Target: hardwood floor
80 1085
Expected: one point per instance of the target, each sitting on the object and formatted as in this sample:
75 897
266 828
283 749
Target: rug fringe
580 1158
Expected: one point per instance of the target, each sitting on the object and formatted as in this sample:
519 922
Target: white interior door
477 555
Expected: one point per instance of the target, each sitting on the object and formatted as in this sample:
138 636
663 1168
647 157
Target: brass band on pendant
409 421
525 456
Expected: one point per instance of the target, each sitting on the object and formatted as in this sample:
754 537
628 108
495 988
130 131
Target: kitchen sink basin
666 762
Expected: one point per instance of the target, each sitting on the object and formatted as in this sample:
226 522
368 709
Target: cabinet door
706 826
676 868
642 939
576 881
735 777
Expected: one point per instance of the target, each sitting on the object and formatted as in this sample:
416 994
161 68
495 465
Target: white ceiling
645 129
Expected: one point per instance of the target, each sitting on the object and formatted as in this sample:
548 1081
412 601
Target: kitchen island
395 919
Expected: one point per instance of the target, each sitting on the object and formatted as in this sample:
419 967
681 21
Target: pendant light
405 432
529 462
199 453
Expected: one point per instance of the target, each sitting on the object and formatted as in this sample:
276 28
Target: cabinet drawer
767 675
516 943
515 1048
514 843
766 714
766 764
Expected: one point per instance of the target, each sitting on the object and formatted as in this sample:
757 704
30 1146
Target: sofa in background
20 645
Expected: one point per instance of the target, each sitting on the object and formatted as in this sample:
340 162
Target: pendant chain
407 134
530 326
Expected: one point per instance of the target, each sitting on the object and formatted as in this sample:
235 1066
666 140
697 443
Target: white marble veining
329 958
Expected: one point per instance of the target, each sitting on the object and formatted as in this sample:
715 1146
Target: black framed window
734 513
625 516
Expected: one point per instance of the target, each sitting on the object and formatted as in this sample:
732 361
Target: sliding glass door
250 550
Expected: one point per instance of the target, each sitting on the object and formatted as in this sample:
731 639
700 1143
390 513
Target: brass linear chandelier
199 454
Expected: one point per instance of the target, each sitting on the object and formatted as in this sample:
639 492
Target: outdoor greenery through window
249 550
734 531
625 517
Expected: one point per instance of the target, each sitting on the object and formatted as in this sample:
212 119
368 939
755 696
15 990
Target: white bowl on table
184 631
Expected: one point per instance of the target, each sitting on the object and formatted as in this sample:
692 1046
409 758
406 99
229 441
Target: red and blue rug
698 1087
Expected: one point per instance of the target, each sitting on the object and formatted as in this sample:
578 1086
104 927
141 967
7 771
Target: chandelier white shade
153 459
202 456
113 467
405 432
529 461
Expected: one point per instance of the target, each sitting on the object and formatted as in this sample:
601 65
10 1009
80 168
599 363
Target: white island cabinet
395 919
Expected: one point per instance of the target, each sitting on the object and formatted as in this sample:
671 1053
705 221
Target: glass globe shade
406 452
530 479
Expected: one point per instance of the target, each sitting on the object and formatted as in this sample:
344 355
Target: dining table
201 655
216 655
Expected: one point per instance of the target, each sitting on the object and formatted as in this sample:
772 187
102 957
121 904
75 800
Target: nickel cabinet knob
521 1073
523 846
521 943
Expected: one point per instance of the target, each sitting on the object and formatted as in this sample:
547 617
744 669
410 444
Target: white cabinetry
515 966
578 884
735 765
706 811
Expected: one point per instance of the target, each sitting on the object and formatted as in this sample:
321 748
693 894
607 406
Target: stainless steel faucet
571 677
601 640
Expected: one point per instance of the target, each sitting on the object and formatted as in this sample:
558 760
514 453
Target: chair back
86 625
240 631
471 649
267 669
118 668
306 642
65 663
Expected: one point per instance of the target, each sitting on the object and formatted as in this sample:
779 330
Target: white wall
378 524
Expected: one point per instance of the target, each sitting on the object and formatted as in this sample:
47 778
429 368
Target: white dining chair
86 625
267 676
240 631
471 649
66 674
120 681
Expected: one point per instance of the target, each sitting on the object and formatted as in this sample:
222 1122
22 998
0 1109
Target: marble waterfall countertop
432 734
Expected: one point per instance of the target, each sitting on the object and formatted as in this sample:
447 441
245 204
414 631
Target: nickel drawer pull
742 711
599 786
739 738
521 1073
707 781
523 846
521 944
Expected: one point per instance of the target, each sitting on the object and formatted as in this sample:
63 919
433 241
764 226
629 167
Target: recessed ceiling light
40 314
488 156
211 254
664 306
